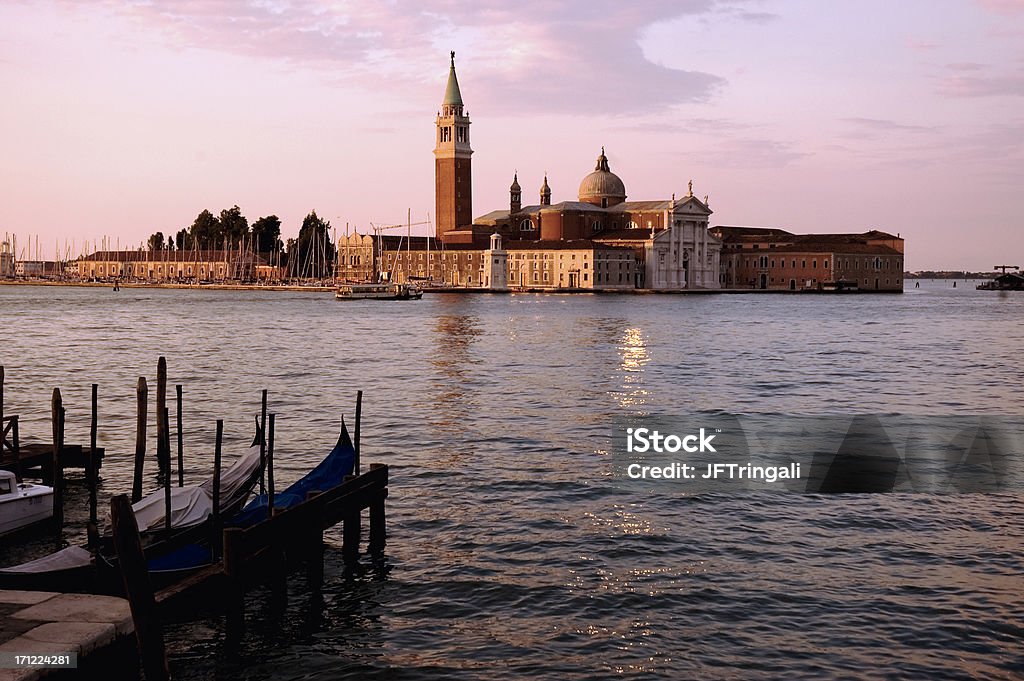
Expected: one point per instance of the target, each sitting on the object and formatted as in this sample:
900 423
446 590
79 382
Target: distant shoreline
442 290
206 287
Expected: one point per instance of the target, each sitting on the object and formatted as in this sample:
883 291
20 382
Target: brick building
766 258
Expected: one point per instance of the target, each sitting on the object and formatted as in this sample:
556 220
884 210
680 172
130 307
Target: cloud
537 55
980 83
758 17
922 45
880 125
755 153
1003 6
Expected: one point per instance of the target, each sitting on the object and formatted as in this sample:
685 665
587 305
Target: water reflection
454 398
634 356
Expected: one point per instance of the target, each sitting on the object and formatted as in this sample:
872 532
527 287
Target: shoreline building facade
171 266
600 241
767 258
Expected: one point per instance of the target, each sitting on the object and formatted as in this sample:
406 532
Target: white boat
22 504
382 291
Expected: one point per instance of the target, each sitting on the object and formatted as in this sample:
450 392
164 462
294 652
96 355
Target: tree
156 241
266 234
205 230
233 226
170 243
183 240
312 254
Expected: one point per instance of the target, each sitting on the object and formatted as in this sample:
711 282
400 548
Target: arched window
632 225
526 225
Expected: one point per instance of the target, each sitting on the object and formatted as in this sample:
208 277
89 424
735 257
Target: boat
73 568
381 291
1008 281
22 504
328 474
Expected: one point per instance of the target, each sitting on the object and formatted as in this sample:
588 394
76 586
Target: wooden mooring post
263 443
181 448
141 398
217 530
135 576
166 464
270 469
57 418
91 471
378 524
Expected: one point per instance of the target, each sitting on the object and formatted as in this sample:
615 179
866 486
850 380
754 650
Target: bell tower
453 179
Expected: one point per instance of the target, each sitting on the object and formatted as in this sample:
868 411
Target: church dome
602 187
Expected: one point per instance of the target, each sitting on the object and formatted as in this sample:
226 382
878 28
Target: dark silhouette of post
167 472
181 448
217 529
263 444
141 397
57 418
135 576
91 474
270 469
355 444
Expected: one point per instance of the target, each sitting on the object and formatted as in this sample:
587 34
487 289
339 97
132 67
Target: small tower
496 265
545 192
453 178
515 193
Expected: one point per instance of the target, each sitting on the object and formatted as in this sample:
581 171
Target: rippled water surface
511 552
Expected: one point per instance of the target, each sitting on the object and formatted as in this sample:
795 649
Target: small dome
602 184
515 183
544 188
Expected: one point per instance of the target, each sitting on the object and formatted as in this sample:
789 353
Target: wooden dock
38 455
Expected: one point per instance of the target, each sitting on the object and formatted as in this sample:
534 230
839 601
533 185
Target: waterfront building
6 260
170 266
598 241
769 258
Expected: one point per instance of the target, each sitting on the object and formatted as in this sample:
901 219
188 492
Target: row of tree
311 254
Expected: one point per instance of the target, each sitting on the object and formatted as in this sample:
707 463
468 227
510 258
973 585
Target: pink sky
122 118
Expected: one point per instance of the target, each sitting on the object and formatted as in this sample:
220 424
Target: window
814 263
824 263
632 225
596 226
585 276
5 486
526 225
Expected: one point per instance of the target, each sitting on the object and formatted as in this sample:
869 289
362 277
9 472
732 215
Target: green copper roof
452 96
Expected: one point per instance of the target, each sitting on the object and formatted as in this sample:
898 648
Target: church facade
598 241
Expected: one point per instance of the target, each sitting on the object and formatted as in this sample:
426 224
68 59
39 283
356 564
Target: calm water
511 552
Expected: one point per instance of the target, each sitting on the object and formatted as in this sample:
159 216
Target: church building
597 241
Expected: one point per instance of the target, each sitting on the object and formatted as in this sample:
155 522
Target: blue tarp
329 473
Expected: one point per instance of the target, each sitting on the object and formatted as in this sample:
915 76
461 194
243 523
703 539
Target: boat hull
33 505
